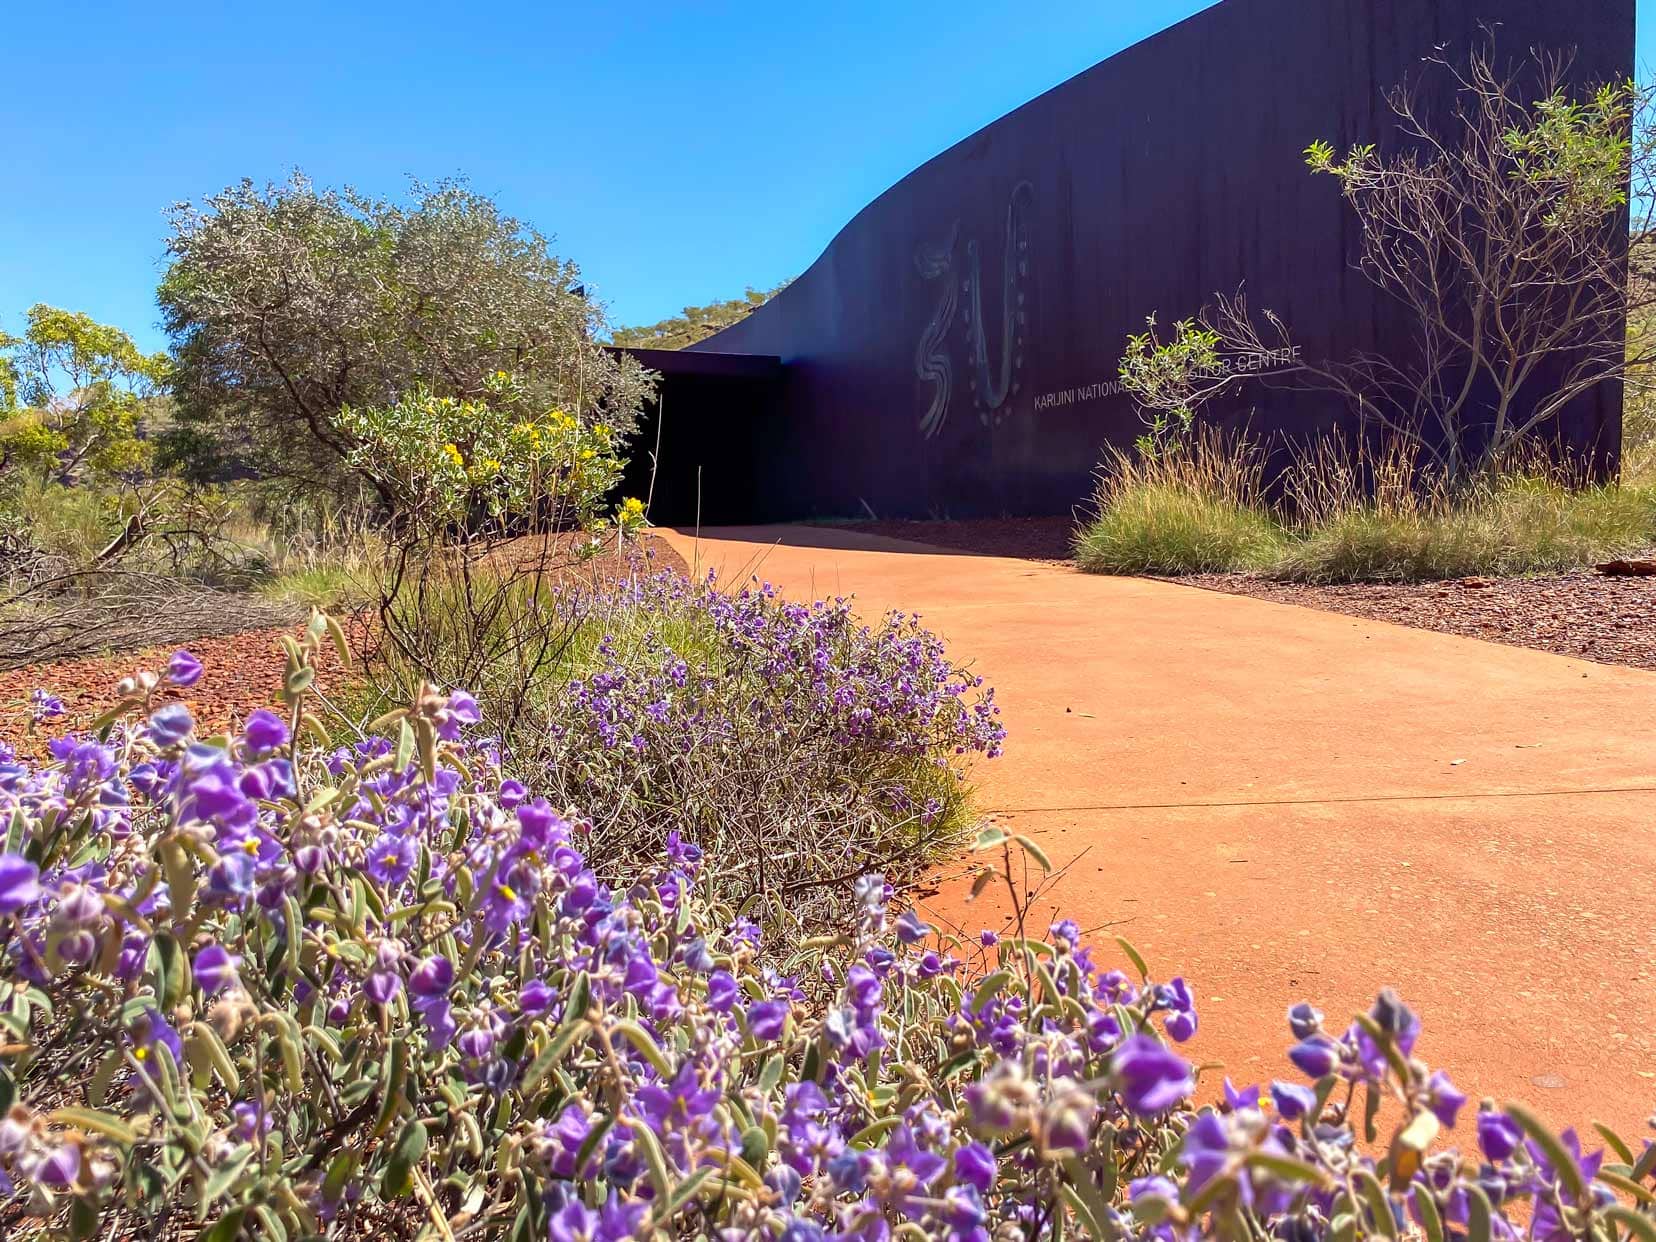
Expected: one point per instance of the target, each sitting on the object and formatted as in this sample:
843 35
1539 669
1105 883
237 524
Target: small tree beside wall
1504 235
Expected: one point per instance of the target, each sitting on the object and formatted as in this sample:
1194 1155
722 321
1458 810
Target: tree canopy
287 303
73 396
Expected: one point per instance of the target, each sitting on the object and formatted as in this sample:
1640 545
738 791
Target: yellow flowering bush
456 461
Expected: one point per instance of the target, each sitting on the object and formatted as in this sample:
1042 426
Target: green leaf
1091 1225
226 1176
682 1194
989 838
425 739
217 1054
274 1230
991 984
405 745
647 1047
554 1052
868 1134
98 1122
1646 1164
1221 1186
1133 956
1286 1167
181 884
1623 1152
84 1217
594 1140
1035 852
1626 1185
382 723
654 1159
409 1151
1426 1207
291 1051
1479 1215
98 1085
177 965
1636 1224
755 1146
342 646
294 932
226 1228
1089 1202
1379 1205
393 1072
339 1173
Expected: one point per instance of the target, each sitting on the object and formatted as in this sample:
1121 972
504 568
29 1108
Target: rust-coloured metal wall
954 350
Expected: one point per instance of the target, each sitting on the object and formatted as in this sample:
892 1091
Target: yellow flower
632 508
453 454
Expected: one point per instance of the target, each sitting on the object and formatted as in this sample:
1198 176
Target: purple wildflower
1151 1077
264 732
214 968
170 724
19 883
183 669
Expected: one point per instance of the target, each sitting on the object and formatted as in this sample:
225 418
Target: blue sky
679 151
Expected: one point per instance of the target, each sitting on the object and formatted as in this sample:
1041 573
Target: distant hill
696 323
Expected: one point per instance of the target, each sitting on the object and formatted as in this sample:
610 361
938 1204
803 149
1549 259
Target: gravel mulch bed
1592 616
243 673
1583 613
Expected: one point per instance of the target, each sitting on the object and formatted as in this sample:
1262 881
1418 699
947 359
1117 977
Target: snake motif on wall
992 386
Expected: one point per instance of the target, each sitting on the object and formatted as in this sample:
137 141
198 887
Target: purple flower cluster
749 707
799 668
307 990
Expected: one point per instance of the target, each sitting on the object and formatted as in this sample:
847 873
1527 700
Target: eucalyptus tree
287 303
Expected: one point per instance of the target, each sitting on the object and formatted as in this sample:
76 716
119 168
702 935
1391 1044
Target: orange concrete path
1284 804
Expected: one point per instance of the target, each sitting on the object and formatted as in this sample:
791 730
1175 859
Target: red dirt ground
243 671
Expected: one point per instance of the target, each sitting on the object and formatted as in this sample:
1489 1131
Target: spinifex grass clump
1511 524
1346 510
262 988
795 744
1184 506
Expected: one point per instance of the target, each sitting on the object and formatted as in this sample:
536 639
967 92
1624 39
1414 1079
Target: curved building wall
954 350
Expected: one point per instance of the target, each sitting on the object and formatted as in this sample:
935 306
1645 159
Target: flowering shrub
794 744
443 460
288 989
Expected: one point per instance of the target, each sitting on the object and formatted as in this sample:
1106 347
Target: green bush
1519 525
793 741
1352 512
1168 529
1192 506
